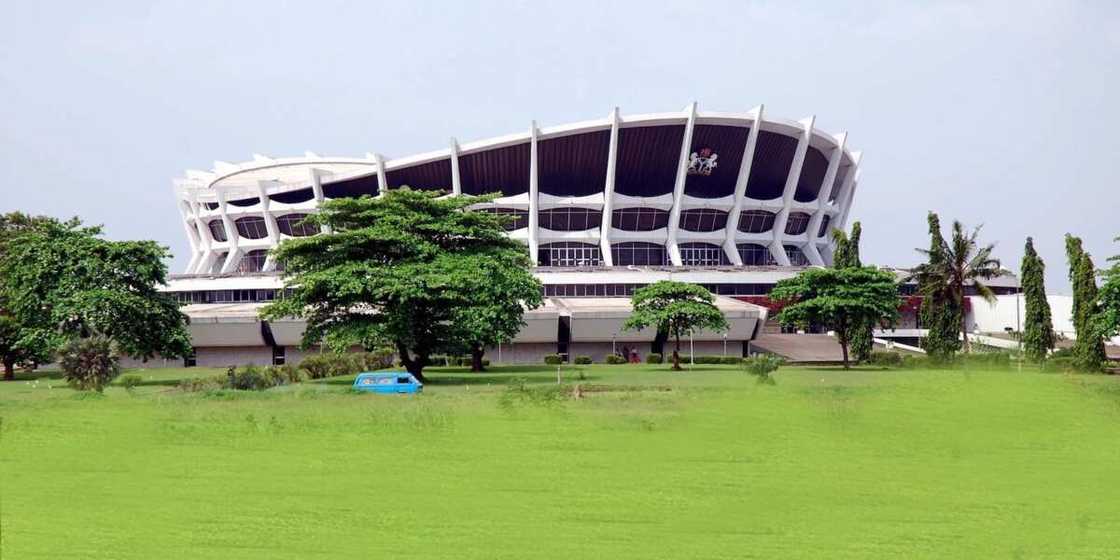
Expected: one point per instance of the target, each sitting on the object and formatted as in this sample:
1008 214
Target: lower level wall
233 356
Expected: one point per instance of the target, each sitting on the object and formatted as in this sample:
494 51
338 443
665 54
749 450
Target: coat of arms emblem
702 162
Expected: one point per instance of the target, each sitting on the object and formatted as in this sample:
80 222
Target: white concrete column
231 233
848 190
456 183
269 224
317 190
534 189
208 253
777 248
678 186
382 181
192 235
729 245
608 192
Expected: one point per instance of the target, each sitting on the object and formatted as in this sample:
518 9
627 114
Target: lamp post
725 344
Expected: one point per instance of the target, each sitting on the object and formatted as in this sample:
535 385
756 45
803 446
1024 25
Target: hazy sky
1000 113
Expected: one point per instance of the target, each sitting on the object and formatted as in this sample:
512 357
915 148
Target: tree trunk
677 355
9 370
842 337
965 346
414 365
658 346
844 350
476 358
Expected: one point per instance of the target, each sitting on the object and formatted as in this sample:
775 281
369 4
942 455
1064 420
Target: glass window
703 219
754 254
253 261
639 219
219 262
797 223
251 227
569 219
824 226
569 254
756 221
516 219
796 256
293 225
702 254
639 253
217 230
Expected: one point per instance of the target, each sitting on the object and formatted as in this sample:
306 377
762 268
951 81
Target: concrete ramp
801 348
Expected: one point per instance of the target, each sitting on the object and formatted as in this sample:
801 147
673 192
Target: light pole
724 344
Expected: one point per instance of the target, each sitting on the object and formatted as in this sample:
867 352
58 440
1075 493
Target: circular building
687 189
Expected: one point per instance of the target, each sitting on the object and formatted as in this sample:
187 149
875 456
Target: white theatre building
732 201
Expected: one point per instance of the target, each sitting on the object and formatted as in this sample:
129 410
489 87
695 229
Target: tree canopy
1038 329
838 298
420 273
1088 349
61 280
1108 316
676 308
940 315
847 256
960 262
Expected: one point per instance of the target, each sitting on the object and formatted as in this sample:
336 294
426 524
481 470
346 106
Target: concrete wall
217 356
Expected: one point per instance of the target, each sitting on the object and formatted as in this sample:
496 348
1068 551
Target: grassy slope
826 464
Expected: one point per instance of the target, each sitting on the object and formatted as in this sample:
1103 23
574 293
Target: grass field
649 464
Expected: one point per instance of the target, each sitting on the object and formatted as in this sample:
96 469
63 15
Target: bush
246 378
762 365
332 364
89 363
616 359
583 360
287 372
131 381
985 359
652 358
553 359
724 360
199 384
887 359
918 361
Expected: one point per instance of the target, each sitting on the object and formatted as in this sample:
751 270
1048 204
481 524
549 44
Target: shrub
583 360
888 359
198 384
723 360
762 364
288 372
986 359
919 362
89 363
131 381
553 359
246 378
616 359
331 364
653 358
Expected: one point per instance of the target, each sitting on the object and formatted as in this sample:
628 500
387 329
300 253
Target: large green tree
62 280
1108 316
1088 349
839 299
19 345
956 264
847 256
410 269
1038 329
940 315
676 308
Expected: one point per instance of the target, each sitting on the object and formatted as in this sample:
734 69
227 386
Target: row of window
254 227
574 254
620 290
227 296
563 219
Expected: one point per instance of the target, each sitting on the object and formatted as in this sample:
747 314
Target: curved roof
572 161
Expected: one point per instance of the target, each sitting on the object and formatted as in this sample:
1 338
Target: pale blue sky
1001 113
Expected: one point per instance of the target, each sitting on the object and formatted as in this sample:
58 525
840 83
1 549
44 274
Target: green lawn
649 464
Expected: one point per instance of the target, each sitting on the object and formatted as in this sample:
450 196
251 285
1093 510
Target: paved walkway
801 348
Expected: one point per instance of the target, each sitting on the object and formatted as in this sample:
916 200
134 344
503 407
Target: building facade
732 201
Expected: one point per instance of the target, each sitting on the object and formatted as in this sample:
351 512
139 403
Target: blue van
387 382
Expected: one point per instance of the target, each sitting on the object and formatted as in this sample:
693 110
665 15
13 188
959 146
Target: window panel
796 256
824 226
569 254
293 225
754 254
217 230
570 219
253 261
639 253
797 223
251 227
703 254
756 221
639 219
516 219
703 219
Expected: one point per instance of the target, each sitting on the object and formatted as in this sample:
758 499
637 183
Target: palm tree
962 262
